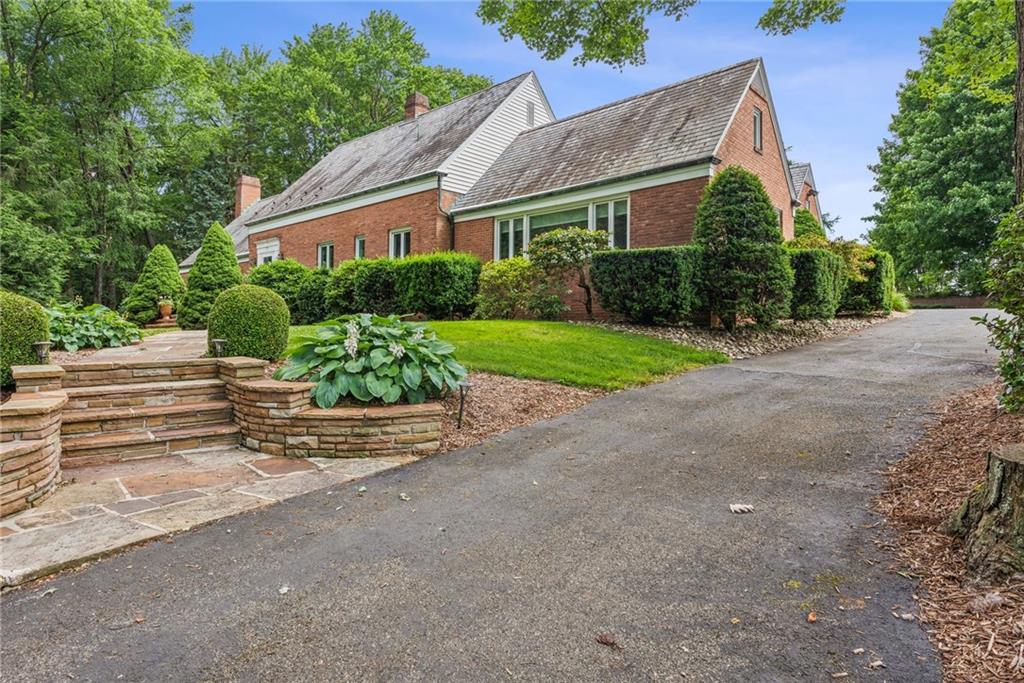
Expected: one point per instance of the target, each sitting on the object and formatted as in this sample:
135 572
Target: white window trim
355 246
271 247
758 130
591 222
319 253
391 241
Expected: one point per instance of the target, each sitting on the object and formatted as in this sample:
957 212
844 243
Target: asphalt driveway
510 559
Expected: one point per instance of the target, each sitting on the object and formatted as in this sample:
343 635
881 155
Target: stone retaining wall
30 440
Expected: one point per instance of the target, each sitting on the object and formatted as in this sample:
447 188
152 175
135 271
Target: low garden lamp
464 387
42 349
218 347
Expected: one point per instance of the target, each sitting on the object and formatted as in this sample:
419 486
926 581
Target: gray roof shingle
667 127
237 229
404 150
799 172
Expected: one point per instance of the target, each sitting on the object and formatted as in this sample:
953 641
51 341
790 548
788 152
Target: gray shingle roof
404 150
667 127
237 229
799 173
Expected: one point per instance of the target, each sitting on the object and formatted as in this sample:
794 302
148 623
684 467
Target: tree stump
991 520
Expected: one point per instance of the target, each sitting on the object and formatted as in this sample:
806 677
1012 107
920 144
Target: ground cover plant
372 358
90 327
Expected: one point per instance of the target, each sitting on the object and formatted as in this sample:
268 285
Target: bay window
512 235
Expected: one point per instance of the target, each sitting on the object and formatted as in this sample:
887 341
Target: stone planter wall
30 438
277 418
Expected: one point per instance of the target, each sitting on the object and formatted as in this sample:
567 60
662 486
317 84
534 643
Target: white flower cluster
352 340
396 349
417 335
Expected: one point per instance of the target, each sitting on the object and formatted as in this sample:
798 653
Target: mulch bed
749 341
978 627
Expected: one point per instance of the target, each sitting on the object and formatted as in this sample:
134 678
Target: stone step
97 449
144 394
128 418
105 373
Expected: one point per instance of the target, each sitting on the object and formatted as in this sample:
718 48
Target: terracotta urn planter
165 309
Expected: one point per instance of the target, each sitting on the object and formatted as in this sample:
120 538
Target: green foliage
804 224
738 228
1006 332
159 279
363 286
874 293
819 283
516 288
312 303
339 294
615 32
34 258
567 252
373 358
288 278
900 302
649 285
92 327
22 323
439 285
253 321
216 269
945 172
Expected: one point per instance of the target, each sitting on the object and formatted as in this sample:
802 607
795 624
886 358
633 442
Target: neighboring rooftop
404 150
800 172
237 229
670 126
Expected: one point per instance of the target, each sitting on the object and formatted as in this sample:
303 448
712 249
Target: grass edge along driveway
567 353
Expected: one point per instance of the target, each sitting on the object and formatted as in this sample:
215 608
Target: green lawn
580 355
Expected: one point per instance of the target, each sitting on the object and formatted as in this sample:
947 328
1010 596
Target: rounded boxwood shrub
254 321
439 285
159 278
820 280
806 225
23 322
649 285
215 270
749 271
287 277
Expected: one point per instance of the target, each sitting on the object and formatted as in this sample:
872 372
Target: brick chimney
416 104
247 191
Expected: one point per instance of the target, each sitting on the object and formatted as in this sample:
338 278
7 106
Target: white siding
480 150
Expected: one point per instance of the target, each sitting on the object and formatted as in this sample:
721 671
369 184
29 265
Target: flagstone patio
100 509
163 346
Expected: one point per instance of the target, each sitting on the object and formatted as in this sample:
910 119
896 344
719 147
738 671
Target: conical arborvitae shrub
216 269
805 224
159 278
749 271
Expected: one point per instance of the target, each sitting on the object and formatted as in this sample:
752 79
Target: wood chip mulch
978 627
496 404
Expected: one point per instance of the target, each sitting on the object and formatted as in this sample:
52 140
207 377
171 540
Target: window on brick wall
778 217
325 255
268 250
400 242
758 129
360 248
512 235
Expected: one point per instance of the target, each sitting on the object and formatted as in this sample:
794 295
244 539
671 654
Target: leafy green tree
737 225
615 32
216 269
567 252
945 173
804 224
159 279
34 259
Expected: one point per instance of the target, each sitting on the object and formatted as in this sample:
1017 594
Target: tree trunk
991 520
588 298
1018 108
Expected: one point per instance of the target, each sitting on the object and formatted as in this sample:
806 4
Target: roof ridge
638 96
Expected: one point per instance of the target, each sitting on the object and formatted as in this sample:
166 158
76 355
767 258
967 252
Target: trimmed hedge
819 283
312 303
649 285
876 292
159 278
439 285
254 321
363 286
287 277
23 322
516 288
215 270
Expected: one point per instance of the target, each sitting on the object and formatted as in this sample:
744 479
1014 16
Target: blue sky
834 86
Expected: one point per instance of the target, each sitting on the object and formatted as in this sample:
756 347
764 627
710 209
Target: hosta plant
372 358
95 326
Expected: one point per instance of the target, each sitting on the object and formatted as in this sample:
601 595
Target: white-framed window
399 242
758 130
360 247
778 217
512 235
325 255
268 250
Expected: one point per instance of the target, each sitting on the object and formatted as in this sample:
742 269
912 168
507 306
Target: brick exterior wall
810 200
738 149
663 216
430 229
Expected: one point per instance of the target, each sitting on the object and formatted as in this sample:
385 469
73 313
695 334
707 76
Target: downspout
440 208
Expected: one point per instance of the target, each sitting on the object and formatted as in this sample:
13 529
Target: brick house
807 193
489 171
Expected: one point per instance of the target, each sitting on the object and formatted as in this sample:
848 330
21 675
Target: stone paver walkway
100 509
163 346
